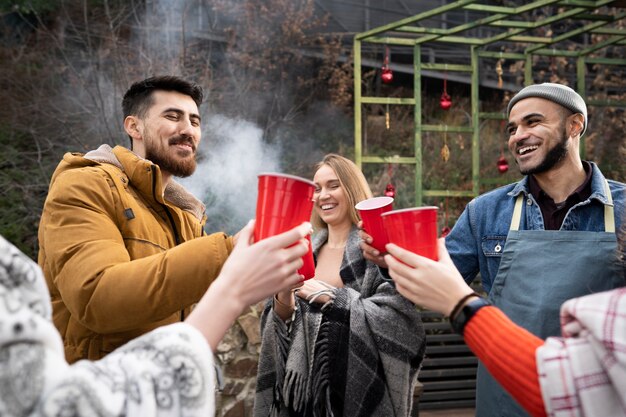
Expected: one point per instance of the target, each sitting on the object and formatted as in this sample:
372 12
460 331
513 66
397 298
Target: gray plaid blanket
358 357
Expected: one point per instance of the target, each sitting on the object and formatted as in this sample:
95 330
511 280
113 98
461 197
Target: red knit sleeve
508 352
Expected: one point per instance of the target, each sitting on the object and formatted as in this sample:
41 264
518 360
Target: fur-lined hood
135 168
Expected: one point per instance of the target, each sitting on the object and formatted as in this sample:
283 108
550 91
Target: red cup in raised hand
284 202
414 229
370 211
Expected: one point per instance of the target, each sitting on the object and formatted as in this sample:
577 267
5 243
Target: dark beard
554 156
177 167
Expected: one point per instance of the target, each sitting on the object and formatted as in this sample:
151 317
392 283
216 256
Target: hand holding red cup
414 229
370 211
284 202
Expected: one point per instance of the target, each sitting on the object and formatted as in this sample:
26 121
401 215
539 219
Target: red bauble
387 75
390 190
503 165
445 101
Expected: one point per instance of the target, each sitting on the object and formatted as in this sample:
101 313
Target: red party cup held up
414 229
370 211
283 202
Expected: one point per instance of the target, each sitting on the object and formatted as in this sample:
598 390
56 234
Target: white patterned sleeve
167 372
30 346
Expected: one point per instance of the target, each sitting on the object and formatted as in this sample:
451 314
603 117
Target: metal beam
417 120
537 24
603 44
576 32
416 18
358 132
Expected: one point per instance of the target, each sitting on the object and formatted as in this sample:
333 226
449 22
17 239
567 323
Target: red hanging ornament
386 75
445 102
390 190
503 165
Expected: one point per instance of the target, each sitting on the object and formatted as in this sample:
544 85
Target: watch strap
459 304
467 312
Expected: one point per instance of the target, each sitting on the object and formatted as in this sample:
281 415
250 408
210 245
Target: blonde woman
345 343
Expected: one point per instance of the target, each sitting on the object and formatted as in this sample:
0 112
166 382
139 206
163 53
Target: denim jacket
477 239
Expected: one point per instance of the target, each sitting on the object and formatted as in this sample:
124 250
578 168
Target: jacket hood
141 174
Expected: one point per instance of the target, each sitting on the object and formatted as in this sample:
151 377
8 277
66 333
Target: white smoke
232 152
231 155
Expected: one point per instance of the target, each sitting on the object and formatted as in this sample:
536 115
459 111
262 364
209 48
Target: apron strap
517 212
609 216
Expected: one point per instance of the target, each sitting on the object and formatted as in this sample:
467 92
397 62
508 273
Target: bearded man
543 240
121 244
547 238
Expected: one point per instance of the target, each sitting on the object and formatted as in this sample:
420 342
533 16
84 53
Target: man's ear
132 128
576 124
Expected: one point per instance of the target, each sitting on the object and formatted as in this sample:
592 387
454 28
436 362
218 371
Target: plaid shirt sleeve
583 373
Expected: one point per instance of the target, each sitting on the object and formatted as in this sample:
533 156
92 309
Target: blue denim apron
580 263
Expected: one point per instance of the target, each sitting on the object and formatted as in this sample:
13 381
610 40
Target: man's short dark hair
138 98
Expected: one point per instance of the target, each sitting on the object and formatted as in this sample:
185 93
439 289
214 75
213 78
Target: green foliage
24 175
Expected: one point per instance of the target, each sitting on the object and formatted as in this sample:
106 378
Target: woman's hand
434 285
315 291
252 272
258 270
369 252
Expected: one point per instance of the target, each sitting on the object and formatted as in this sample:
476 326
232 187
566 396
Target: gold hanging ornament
445 151
499 72
387 120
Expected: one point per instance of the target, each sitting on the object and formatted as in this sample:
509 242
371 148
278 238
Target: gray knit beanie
556 93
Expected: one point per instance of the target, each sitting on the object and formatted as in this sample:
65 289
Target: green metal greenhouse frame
591 17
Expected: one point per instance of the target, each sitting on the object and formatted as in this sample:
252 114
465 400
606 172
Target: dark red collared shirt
553 213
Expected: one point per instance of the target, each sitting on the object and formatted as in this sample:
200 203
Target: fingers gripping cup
414 229
370 211
284 202
308 268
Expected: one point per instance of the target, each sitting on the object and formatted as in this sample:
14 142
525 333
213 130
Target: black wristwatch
458 323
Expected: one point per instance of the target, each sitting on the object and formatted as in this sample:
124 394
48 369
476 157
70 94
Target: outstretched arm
168 370
252 273
507 350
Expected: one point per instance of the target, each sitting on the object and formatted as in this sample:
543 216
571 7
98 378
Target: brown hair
352 181
138 98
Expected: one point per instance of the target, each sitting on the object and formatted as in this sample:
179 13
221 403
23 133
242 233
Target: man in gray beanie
548 238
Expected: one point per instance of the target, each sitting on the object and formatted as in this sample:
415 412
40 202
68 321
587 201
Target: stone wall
238 356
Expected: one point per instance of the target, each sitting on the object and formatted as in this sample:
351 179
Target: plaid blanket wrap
584 374
359 357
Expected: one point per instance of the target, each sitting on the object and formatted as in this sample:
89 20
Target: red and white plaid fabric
584 372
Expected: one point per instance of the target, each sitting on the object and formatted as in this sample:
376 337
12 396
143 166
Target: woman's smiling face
330 199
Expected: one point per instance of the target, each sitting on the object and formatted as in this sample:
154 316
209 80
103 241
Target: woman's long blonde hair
352 181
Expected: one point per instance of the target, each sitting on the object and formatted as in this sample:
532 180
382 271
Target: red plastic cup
308 268
284 202
370 211
414 229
